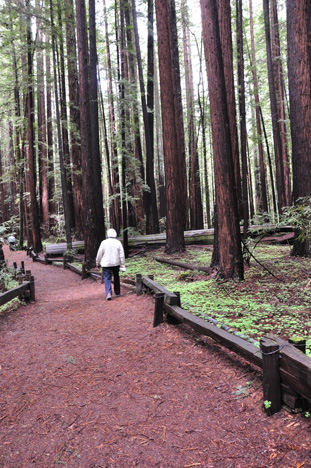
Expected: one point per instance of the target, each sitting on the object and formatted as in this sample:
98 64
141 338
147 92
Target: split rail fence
25 290
286 369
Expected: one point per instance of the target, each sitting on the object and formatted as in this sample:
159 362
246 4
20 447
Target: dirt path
89 383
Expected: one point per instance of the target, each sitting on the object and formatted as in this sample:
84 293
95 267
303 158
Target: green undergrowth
7 282
275 299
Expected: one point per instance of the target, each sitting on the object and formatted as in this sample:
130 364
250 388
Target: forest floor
90 383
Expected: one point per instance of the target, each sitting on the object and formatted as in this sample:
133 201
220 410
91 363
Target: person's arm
100 254
122 257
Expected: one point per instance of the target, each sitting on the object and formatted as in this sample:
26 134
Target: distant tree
277 67
229 238
195 198
115 208
262 192
152 221
42 134
74 127
242 113
32 178
280 182
99 233
64 117
59 137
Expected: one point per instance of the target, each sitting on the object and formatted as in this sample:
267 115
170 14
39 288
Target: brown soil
89 383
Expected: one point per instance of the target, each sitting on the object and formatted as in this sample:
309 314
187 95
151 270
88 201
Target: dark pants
108 272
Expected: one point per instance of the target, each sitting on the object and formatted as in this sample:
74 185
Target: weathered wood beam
234 343
13 293
170 297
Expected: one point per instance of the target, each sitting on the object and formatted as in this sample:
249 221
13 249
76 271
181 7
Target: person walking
110 257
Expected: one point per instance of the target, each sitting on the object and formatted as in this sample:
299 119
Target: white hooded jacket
110 253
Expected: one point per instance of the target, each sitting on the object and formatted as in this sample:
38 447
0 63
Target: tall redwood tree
175 206
299 81
229 238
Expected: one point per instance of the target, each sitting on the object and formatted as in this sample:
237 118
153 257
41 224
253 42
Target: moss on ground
276 299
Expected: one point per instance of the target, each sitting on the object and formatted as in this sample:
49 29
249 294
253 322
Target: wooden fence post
158 309
271 375
299 344
177 293
32 288
84 272
23 267
139 285
64 262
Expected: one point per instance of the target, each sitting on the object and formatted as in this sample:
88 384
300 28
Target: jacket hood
111 233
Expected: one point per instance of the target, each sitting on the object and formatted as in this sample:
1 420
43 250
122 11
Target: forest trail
89 383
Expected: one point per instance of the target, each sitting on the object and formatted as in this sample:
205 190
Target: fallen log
184 265
59 249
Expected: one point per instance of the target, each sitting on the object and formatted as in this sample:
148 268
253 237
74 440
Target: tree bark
34 211
195 199
90 227
50 140
224 12
274 114
116 206
99 234
242 109
280 97
263 201
74 118
60 142
175 200
300 105
230 252
152 221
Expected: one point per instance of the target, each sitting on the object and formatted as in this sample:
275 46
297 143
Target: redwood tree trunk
175 201
300 105
99 234
274 114
242 108
115 179
280 97
34 211
224 13
230 252
195 199
178 110
263 201
90 227
73 85
152 221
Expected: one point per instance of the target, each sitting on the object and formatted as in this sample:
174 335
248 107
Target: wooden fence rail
25 290
286 370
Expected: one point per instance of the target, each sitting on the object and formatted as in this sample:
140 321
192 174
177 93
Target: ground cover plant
275 296
8 281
